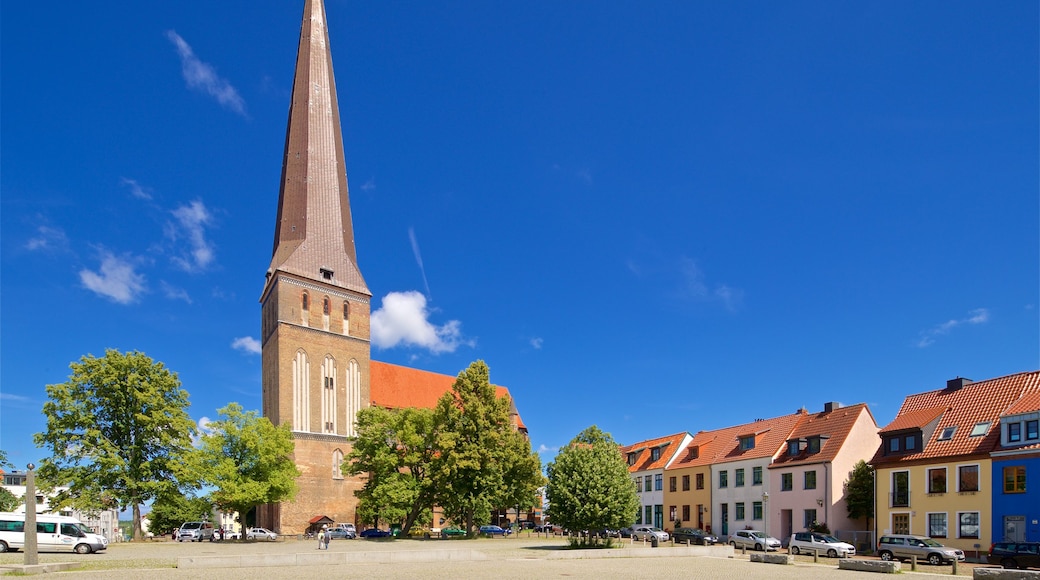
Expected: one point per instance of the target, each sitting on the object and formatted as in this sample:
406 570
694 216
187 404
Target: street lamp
765 516
32 555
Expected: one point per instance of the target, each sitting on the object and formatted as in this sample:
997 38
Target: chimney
828 407
957 383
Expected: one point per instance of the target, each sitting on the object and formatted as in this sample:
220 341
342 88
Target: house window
756 476
968 525
814 445
740 511
659 516
639 484
900 489
647 483
655 454
747 442
648 514
739 478
968 478
893 445
659 482
631 458
980 429
1032 430
794 447
756 510
911 443
639 516
685 513
786 481
808 518
686 482
937 525
947 434
937 480
901 523
723 479
810 479
1014 479
672 481
700 481
672 513
1014 432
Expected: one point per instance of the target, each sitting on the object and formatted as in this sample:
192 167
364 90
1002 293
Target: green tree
859 492
8 501
395 448
117 431
172 509
589 486
474 450
247 459
523 473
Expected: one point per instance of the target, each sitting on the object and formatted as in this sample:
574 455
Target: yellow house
688 495
933 471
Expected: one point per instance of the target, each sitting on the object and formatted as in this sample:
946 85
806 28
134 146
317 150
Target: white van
53 533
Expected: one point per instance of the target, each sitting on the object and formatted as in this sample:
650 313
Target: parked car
813 542
694 536
625 532
452 531
195 532
903 546
1015 554
547 528
648 533
342 534
374 533
605 533
754 540
260 534
492 531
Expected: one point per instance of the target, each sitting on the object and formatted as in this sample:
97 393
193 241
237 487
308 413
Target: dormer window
980 429
695 452
814 445
794 447
904 443
747 442
947 433
631 458
326 274
655 453
1032 430
1014 432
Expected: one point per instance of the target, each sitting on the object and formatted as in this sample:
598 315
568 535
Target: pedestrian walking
322 543
328 537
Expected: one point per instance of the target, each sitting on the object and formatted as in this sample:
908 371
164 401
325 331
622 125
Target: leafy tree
247 459
117 430
475 453
395 448
859 492
8 501
523 473
172 509
3 459
589 486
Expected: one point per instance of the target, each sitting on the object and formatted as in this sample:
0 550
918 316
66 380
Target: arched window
346 317
306 301
329 401
337 464
352 397
301 377
325 306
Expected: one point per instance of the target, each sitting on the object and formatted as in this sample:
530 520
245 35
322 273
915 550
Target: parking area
530 557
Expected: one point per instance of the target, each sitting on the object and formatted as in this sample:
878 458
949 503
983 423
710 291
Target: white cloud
192 220
136 189
47 238
369 185
246 344
927 338
402 321
201 76
694 287
537 343
543 449
10 397
418 259
174 293
115 280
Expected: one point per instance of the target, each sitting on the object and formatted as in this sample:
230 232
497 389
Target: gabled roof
397 387
669 446
963 408
835 426
1027 403
723 445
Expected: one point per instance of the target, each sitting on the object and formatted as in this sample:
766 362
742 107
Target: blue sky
648 216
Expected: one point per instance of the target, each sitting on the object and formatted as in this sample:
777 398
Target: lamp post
765 516
32 555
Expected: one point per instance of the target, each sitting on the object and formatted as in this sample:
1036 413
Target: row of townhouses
952 465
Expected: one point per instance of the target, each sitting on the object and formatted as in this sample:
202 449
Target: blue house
1016 472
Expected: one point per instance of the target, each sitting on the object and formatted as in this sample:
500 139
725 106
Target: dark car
694 536
452 531
625 532
1015 554
492 531
374 533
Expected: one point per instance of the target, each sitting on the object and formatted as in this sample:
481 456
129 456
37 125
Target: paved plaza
481 558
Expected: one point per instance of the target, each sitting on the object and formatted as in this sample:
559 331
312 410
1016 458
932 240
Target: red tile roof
1027 403
397 387
834 425
914 419
723 445
973 403
669 447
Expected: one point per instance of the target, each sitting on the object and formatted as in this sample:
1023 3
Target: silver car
753 540
903 546
648 533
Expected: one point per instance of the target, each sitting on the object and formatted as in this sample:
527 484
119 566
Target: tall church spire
314 235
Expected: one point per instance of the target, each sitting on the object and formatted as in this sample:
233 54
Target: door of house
725 519
901 523
786 524
1014 528
700 516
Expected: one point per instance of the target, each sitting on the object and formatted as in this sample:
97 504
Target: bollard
913 563
653 541
743 549
816 556
955 566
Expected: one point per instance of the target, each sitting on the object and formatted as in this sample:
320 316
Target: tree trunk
137 523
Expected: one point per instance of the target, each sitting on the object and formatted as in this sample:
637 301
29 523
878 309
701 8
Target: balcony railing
899 499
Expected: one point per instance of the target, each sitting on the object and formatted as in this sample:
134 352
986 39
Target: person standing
321 537
328 536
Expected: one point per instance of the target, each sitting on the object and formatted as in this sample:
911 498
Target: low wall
1001 574
767 558
880 566
318 559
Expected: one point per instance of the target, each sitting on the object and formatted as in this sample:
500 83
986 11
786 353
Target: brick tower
315 304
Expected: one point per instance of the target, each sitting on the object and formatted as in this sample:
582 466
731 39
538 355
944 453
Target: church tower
315 304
